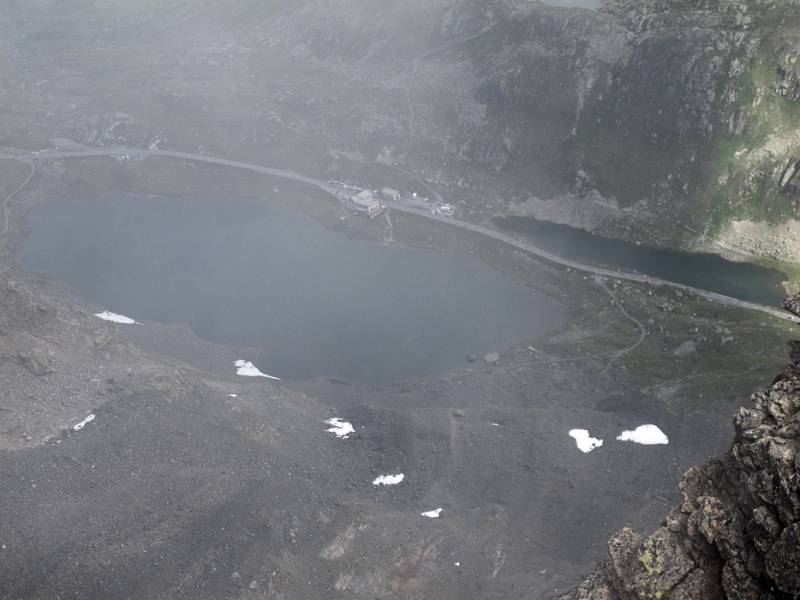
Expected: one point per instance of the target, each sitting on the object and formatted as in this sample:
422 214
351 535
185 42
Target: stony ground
737 532
178 490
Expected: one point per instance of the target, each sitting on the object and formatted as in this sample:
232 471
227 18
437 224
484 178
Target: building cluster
368 202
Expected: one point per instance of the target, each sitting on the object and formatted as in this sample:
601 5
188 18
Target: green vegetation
742 181
625 162
646 558
652 571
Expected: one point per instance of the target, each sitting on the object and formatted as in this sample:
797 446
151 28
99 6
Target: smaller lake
315 302
744 281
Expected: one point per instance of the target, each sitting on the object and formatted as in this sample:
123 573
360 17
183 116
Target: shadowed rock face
665 105
737 533
686 111
792 304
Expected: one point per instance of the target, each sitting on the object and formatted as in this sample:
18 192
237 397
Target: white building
365 202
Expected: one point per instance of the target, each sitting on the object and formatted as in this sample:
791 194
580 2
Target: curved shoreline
13 193
139 154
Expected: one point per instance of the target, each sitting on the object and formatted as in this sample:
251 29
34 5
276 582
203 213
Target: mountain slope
737 533
669 121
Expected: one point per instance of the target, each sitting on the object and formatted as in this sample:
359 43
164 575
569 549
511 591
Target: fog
368 299
312 302
592 4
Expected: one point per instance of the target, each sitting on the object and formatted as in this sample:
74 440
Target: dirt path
642 331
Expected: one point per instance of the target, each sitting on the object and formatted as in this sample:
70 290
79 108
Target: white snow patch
647 435
341 428
233 395
83 423
584 441
247 369
457 564
433 514
389 479
115 318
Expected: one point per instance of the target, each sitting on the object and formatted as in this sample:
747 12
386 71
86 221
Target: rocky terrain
271 505
681 115
139 466
669 121
737 533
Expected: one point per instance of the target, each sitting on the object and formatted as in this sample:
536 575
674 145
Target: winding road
123 153
11 195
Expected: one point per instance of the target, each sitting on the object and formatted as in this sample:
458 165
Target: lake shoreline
315 302
500 427
763 285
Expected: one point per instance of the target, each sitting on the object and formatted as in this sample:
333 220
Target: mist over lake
316 303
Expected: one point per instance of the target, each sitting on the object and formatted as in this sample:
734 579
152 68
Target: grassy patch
626 165
741 179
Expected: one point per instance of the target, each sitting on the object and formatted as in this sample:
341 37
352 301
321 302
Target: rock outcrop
665 120
737 533
686 110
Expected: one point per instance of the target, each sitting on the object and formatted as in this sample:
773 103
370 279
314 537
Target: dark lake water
245 273
744 281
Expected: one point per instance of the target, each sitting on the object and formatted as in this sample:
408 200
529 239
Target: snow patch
115 318
584 441
433 514
233 395
339 427
389 479
82 424
247 369
647 435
